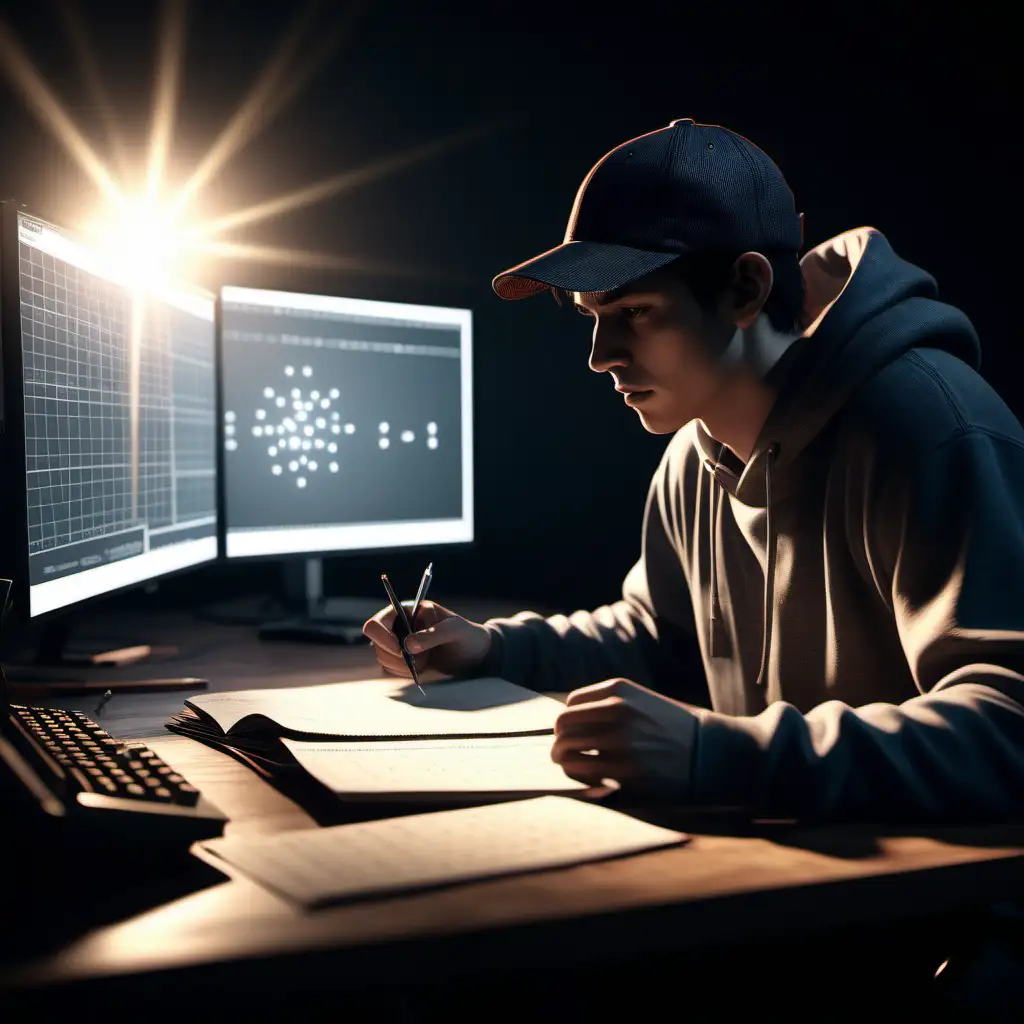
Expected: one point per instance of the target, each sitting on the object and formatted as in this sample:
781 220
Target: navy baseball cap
685 188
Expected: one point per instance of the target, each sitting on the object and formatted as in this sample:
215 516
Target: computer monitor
109 421
347 424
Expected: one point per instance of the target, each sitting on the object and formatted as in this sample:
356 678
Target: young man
837 526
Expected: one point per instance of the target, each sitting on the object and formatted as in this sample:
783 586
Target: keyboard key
135 789
187 795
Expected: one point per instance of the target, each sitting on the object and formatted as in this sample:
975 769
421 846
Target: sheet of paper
519 764
315 867
390 707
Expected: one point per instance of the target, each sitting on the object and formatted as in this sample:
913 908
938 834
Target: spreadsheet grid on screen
89 476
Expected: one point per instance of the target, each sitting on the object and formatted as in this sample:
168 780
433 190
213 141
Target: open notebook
318 867
380 709
382 740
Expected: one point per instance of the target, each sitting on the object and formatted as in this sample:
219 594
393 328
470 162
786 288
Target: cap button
681 120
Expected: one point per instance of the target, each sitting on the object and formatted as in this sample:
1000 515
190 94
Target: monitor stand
54 652
314 618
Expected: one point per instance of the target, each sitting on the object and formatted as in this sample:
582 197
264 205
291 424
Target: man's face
655 341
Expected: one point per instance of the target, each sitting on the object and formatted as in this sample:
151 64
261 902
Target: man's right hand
440 640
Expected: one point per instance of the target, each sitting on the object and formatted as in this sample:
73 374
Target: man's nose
607 349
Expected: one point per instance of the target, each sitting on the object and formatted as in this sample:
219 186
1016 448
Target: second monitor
347 424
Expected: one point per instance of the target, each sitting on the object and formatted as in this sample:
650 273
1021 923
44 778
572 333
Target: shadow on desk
55 895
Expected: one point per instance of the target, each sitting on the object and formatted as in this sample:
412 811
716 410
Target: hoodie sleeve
946 547
628 638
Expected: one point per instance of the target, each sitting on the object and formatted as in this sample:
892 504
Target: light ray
337 183
171 36
268 96
273 254
75 28
46 105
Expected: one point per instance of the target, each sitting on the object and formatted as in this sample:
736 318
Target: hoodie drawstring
769 575
715 608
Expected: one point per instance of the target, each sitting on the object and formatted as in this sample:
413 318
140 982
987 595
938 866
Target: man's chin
655 423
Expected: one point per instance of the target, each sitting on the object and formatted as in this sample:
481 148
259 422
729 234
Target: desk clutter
481 741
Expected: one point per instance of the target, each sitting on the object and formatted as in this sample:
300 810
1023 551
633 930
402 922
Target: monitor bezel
280 556
14 458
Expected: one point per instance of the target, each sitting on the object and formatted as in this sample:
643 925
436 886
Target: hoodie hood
865 306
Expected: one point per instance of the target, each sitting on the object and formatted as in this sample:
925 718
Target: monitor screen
120 422
348 424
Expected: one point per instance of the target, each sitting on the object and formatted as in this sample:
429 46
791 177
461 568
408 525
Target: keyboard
116 788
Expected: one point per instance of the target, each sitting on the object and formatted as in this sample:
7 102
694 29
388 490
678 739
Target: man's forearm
956 753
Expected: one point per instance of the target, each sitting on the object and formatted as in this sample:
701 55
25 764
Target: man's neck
742 404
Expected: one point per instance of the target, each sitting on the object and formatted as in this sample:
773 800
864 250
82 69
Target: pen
103 702
402 629
428 575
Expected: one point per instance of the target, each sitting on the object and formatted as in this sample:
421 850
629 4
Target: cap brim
580 267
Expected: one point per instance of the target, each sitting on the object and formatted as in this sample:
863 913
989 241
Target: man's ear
751 284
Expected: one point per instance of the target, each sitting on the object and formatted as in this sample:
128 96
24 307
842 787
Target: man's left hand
622 731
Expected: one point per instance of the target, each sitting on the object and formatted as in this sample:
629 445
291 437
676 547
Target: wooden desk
717 890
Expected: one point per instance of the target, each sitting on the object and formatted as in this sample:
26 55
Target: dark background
888 117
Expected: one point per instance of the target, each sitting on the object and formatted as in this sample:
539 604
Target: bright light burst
143 231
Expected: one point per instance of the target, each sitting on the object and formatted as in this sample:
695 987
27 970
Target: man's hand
619 730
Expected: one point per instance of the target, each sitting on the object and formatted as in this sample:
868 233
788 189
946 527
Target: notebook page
520 764
390 707
315 867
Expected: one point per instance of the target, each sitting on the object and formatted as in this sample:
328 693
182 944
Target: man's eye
635 312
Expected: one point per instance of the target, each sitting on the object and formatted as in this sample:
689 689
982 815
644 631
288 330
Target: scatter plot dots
321 423
280 428
308 406
300 416
289 371
312 465
303 460
307 371
350 428
384 442
408 436
431 442
333 467
229 430
315 395
308 430
272 451
431 428
334 392
301 482
261 414
298 405
294 465
268 392
257 431
231 444
332 447
335 416
229 417
318 443
275 469
325 403
294 443
307 445
289 425
280 401
384 428
335 429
